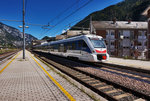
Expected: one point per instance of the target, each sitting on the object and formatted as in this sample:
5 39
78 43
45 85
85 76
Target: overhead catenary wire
11 20
72 13
37 24
63 11
85 20
69 15
26 23
43 32
69 24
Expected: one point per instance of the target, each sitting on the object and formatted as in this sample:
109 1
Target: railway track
87 75
6 56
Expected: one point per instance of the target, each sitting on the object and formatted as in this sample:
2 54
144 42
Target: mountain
10 36
48 39
122 11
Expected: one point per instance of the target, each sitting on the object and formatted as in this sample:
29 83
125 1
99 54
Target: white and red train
90 48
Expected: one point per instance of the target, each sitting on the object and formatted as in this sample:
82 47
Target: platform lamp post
23 39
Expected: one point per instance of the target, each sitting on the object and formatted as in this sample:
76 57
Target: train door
61 48
84 51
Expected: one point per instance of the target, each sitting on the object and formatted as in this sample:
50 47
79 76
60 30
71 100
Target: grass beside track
2 51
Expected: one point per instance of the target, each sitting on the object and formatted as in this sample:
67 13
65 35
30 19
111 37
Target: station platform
130 63
32 80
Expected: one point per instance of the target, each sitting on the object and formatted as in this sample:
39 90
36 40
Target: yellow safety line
9 63
60 87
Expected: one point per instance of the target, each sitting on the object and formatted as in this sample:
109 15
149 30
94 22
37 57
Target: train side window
52 48
69 46
65 47
84 44
56 46
73 46
79 44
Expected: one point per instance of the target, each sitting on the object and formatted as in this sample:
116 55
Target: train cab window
97 43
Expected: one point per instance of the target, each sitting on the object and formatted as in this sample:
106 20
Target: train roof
73 39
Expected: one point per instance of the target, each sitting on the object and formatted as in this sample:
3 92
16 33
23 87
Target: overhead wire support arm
23 24
39 25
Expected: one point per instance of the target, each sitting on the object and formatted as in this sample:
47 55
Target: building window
112 33
112 43
107 33
139 43
140 33
126 37
106 43
132 35
145 33
145 43
126 47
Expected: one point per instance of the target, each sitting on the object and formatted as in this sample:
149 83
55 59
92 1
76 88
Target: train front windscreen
97 43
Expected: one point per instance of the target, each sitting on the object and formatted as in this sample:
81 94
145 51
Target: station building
123 38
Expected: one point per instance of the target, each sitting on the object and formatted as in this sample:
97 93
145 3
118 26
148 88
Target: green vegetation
122 11
6 50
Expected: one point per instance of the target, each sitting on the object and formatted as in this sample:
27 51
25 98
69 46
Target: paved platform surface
25 80
128 62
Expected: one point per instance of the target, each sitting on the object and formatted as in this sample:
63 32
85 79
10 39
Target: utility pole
148 35
91 27
147 13
23 25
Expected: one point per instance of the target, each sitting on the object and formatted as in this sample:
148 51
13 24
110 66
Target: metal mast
23 26
91 27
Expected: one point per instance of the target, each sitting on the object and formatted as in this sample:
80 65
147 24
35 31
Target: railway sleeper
98 84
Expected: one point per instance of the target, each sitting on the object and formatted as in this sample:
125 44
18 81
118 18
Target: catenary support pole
23 26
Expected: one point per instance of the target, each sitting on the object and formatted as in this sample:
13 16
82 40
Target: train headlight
104 57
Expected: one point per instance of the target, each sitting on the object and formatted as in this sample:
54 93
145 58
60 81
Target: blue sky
44 11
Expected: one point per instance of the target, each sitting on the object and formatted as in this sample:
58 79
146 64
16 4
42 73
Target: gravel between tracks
131 83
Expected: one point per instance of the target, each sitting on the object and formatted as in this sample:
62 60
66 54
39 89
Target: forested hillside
122 11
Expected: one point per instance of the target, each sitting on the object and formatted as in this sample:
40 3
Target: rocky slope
12 37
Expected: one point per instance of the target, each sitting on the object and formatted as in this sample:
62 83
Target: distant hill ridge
122 11
12 37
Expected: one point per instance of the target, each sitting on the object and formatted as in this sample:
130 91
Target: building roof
119 25
76 32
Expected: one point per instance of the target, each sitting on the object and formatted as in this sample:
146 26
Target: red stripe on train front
101 51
